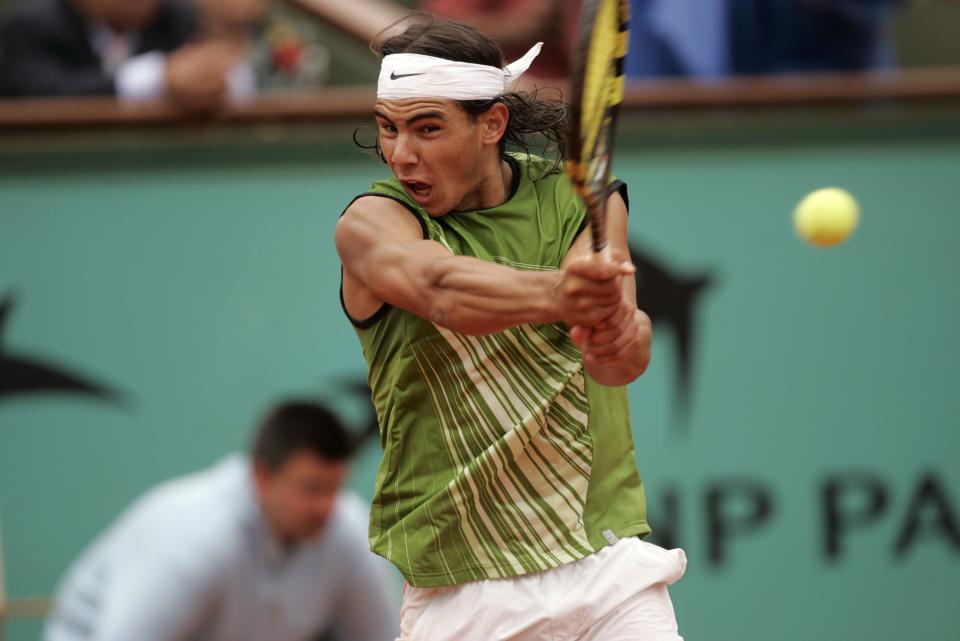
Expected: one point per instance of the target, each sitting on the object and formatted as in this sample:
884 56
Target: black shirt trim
616 186
370 321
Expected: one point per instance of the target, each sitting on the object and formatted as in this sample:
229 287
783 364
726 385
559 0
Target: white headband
412 75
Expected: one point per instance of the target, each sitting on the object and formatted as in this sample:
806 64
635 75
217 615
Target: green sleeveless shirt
500 455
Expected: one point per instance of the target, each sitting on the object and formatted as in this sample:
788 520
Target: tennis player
498 346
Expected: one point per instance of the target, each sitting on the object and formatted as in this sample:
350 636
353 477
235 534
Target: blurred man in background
269 548
134 49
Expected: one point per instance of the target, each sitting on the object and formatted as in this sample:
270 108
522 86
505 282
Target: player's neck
492 190
500 187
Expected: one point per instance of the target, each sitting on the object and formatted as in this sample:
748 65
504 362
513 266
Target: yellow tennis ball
826 217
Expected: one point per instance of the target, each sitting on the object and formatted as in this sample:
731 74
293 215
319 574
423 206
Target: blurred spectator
717 38
269 547
286 56
775 36
273 51
287 52
136 49
282 45
517 25
678 38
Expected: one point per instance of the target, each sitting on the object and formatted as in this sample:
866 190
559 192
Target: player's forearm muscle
464 294
476 297
472 296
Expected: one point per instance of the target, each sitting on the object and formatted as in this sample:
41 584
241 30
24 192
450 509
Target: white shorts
617 594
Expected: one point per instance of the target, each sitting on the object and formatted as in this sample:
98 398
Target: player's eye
387 128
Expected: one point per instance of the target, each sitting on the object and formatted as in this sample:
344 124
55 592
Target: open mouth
420 191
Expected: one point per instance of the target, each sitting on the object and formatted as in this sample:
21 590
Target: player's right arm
386 260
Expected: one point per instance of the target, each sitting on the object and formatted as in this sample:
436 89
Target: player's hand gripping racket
596 91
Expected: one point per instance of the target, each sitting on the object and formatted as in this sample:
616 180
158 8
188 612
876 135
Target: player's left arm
617 351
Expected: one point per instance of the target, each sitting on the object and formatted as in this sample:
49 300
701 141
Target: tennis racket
596 91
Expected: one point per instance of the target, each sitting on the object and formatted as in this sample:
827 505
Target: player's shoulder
373 204
386 195
537 168
545 176
546 182
374 217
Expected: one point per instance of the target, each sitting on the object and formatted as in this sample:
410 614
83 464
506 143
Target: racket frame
590 176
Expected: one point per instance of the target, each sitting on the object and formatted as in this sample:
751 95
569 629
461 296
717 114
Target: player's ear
494 123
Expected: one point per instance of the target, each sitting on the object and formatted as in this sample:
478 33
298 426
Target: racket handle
597 214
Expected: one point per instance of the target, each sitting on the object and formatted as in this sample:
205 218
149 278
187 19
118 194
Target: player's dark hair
532 116
294 426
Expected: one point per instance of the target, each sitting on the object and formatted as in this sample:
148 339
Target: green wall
204 290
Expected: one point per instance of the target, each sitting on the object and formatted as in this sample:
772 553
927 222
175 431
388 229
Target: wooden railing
23 609
355 102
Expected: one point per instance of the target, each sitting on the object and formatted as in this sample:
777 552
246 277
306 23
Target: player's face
437 152
299 497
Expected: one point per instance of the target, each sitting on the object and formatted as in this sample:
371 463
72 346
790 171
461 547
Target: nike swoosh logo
394 75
